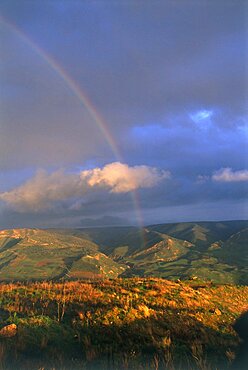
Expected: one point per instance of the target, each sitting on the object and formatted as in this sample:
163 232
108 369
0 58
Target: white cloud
121 178
44 189
39 192
228 175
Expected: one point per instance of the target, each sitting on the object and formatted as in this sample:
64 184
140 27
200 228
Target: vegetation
120 314
215 251
137 323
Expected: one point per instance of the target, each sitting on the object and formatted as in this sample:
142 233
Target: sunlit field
120 324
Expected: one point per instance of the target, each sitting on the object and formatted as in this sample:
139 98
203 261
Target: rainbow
85 101
77 91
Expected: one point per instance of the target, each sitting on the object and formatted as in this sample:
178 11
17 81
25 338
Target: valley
204 251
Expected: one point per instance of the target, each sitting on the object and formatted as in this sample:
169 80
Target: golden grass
144 323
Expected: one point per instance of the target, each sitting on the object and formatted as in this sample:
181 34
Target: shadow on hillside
241 327
174 340
4 315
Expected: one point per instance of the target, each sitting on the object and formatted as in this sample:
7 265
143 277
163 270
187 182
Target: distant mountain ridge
216 251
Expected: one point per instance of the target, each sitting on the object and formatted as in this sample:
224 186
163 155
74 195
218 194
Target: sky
123 112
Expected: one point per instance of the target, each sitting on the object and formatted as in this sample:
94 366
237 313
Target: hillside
214 251
202 233
31 254
121 324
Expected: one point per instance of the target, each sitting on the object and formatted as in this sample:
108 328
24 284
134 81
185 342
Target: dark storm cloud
145 60
189 148
169 78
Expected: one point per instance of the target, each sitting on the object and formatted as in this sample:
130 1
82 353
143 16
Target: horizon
126 226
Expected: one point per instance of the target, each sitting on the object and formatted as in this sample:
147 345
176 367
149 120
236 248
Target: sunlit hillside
120 324
207 251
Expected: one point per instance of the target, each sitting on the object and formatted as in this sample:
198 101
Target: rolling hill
31 254
215 251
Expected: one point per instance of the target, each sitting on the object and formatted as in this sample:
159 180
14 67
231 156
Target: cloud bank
44 189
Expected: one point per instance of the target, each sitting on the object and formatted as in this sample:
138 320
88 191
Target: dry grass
120 324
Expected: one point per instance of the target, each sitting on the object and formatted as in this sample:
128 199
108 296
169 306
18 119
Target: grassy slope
30 254
111 238
203 233
120 324
129 245
207 250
